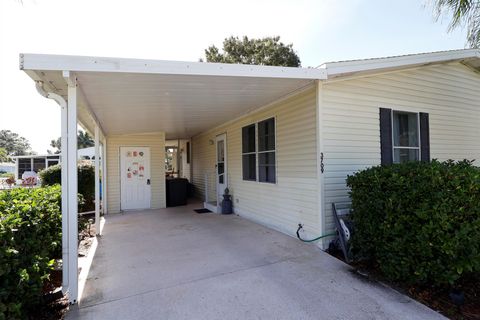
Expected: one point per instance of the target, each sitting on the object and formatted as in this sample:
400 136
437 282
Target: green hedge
86 182
30 240
419 222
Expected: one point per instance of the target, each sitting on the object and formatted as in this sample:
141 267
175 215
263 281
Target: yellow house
281 139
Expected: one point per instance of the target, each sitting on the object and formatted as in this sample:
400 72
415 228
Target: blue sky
320 30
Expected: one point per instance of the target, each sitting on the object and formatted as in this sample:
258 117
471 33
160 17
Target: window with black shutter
404 136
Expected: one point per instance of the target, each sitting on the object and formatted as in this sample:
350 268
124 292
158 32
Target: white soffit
180 98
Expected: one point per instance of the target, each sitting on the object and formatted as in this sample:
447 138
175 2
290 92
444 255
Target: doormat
201 210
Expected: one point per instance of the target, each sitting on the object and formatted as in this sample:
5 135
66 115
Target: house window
406 137
258 151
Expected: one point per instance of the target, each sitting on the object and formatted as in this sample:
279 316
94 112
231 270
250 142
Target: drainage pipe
65 251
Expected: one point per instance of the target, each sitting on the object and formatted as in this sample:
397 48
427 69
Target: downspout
50 95
65 251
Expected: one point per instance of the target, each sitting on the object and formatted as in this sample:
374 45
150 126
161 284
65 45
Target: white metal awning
180 98
123 96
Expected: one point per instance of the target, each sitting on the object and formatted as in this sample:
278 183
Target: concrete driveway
177 264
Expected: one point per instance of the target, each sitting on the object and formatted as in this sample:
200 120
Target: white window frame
419 148
256 152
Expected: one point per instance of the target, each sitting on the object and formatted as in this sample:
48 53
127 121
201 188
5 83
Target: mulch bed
55 305
435 298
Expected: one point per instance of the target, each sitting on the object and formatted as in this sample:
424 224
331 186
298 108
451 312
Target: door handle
148 181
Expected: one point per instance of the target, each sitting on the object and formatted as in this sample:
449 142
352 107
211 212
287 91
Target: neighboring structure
36 163
283 140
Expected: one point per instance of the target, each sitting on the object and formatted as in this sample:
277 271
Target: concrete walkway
177 264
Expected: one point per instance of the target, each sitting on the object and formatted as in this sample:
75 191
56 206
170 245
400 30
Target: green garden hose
312 240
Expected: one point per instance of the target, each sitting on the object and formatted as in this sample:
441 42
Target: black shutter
424 137
386 147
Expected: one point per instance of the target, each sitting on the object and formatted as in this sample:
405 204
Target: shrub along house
281 139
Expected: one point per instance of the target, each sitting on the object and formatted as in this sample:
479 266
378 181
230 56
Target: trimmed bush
419 222
86 182
30 240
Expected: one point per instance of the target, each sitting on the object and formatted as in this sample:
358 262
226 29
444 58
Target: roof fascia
349 68
41 62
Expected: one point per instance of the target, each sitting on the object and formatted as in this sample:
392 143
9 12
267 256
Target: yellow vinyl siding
294 198
449 93
156 143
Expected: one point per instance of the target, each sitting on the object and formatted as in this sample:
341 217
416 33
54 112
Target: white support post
72 181
69 272
64 181
104 177
97 180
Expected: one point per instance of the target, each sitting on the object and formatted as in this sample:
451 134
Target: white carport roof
185 98
181 98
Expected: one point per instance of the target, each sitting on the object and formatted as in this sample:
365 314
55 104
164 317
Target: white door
135 178
221 166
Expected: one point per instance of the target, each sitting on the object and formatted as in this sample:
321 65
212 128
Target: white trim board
31 61
376 65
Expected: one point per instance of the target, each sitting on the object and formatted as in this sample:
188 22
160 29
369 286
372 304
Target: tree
14 144
4 155
464 12
84 140
266 51
57 144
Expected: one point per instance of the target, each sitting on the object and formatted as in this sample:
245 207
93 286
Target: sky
320 31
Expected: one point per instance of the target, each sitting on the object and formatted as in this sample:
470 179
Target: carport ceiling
180 98
180 105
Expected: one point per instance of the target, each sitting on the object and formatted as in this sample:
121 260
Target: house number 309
322 166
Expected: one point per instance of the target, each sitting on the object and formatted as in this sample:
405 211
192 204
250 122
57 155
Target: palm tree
463 12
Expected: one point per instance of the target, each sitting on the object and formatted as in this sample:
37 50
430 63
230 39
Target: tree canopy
14 144
4 155
84 140
463 12
266 51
